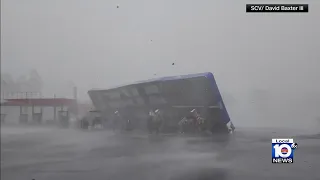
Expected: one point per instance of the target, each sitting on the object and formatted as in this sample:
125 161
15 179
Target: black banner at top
277 8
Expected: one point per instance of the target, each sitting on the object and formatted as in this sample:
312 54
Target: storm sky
95 44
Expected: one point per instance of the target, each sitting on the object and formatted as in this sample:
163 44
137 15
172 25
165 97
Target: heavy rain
266 67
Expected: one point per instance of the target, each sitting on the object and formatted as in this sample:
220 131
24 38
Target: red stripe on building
39 102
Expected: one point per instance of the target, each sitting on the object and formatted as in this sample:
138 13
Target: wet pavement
50 154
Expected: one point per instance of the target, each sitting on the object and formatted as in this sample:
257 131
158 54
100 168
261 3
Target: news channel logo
283 150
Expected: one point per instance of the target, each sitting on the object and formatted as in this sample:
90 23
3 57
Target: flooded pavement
51 154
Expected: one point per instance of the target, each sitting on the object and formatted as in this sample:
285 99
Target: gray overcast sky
94 44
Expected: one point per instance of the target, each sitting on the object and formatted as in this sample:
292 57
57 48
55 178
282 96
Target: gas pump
96 119
23 118
64 118
36 117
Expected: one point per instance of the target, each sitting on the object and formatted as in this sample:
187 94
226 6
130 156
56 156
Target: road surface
50 154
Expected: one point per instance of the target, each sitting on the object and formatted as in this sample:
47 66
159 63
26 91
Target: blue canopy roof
168 78
209 75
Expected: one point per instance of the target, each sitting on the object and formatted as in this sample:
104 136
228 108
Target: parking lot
43 153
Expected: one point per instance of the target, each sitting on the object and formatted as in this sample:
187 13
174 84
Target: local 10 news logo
283 150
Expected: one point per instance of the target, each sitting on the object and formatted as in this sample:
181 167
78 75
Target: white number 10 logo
283 150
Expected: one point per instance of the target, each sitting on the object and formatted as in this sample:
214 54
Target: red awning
39 102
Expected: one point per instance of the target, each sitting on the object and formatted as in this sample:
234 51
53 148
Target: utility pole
75 97
54 110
